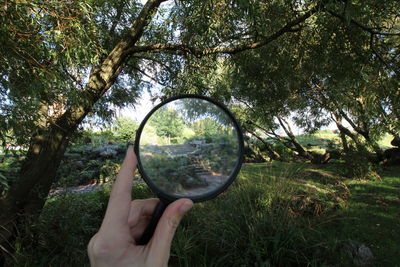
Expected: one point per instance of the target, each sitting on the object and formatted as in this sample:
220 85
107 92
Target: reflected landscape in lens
189 147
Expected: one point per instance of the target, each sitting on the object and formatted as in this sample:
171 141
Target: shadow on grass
372 218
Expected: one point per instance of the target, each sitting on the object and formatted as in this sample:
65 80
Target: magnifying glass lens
189 147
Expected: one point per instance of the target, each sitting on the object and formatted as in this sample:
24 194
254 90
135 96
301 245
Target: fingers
160 244
119 203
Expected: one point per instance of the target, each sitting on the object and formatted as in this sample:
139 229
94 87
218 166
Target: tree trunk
26 198
364 132
298 147
271 153
345 132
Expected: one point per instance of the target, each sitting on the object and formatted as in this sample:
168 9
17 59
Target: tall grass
250 225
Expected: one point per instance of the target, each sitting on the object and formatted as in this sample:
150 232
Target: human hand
125 220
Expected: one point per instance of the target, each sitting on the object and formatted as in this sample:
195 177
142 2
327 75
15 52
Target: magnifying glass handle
148 233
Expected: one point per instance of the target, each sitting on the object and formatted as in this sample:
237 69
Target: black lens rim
168 197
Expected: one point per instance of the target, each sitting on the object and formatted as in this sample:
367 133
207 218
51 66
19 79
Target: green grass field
275 214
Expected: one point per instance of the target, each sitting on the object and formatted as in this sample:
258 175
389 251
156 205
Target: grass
293 214
275 214
373 216
319 140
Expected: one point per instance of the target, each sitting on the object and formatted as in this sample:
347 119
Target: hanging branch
186 49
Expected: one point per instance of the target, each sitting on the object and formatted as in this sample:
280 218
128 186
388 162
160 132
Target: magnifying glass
188 146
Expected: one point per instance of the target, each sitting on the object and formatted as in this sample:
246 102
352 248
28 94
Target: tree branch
103 76
151 77
186 49
363 27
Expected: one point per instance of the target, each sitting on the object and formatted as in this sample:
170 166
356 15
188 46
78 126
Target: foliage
9 167
221 156
108 171
150 137
125 129
285 152
207 127
48 50
63 231
168 123
170 174
271 60
359 165
298 77
3 185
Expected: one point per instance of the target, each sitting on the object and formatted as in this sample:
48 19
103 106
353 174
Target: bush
63 231
109 170
263 219
125 129
358 165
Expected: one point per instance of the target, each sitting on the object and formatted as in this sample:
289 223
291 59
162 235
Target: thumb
160 244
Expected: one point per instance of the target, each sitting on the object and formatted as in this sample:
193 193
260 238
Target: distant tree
125 129
207 128
167 123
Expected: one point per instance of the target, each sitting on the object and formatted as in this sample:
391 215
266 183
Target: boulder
359 254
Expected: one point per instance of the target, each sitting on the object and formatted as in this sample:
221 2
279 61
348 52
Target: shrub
263 219
358 165
63 231
125 129
109 170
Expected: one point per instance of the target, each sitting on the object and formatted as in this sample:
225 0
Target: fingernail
186 207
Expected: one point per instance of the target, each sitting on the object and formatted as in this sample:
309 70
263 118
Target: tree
125 128
167 123
329 69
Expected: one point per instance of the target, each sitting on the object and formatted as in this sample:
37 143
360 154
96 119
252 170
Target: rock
360 254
